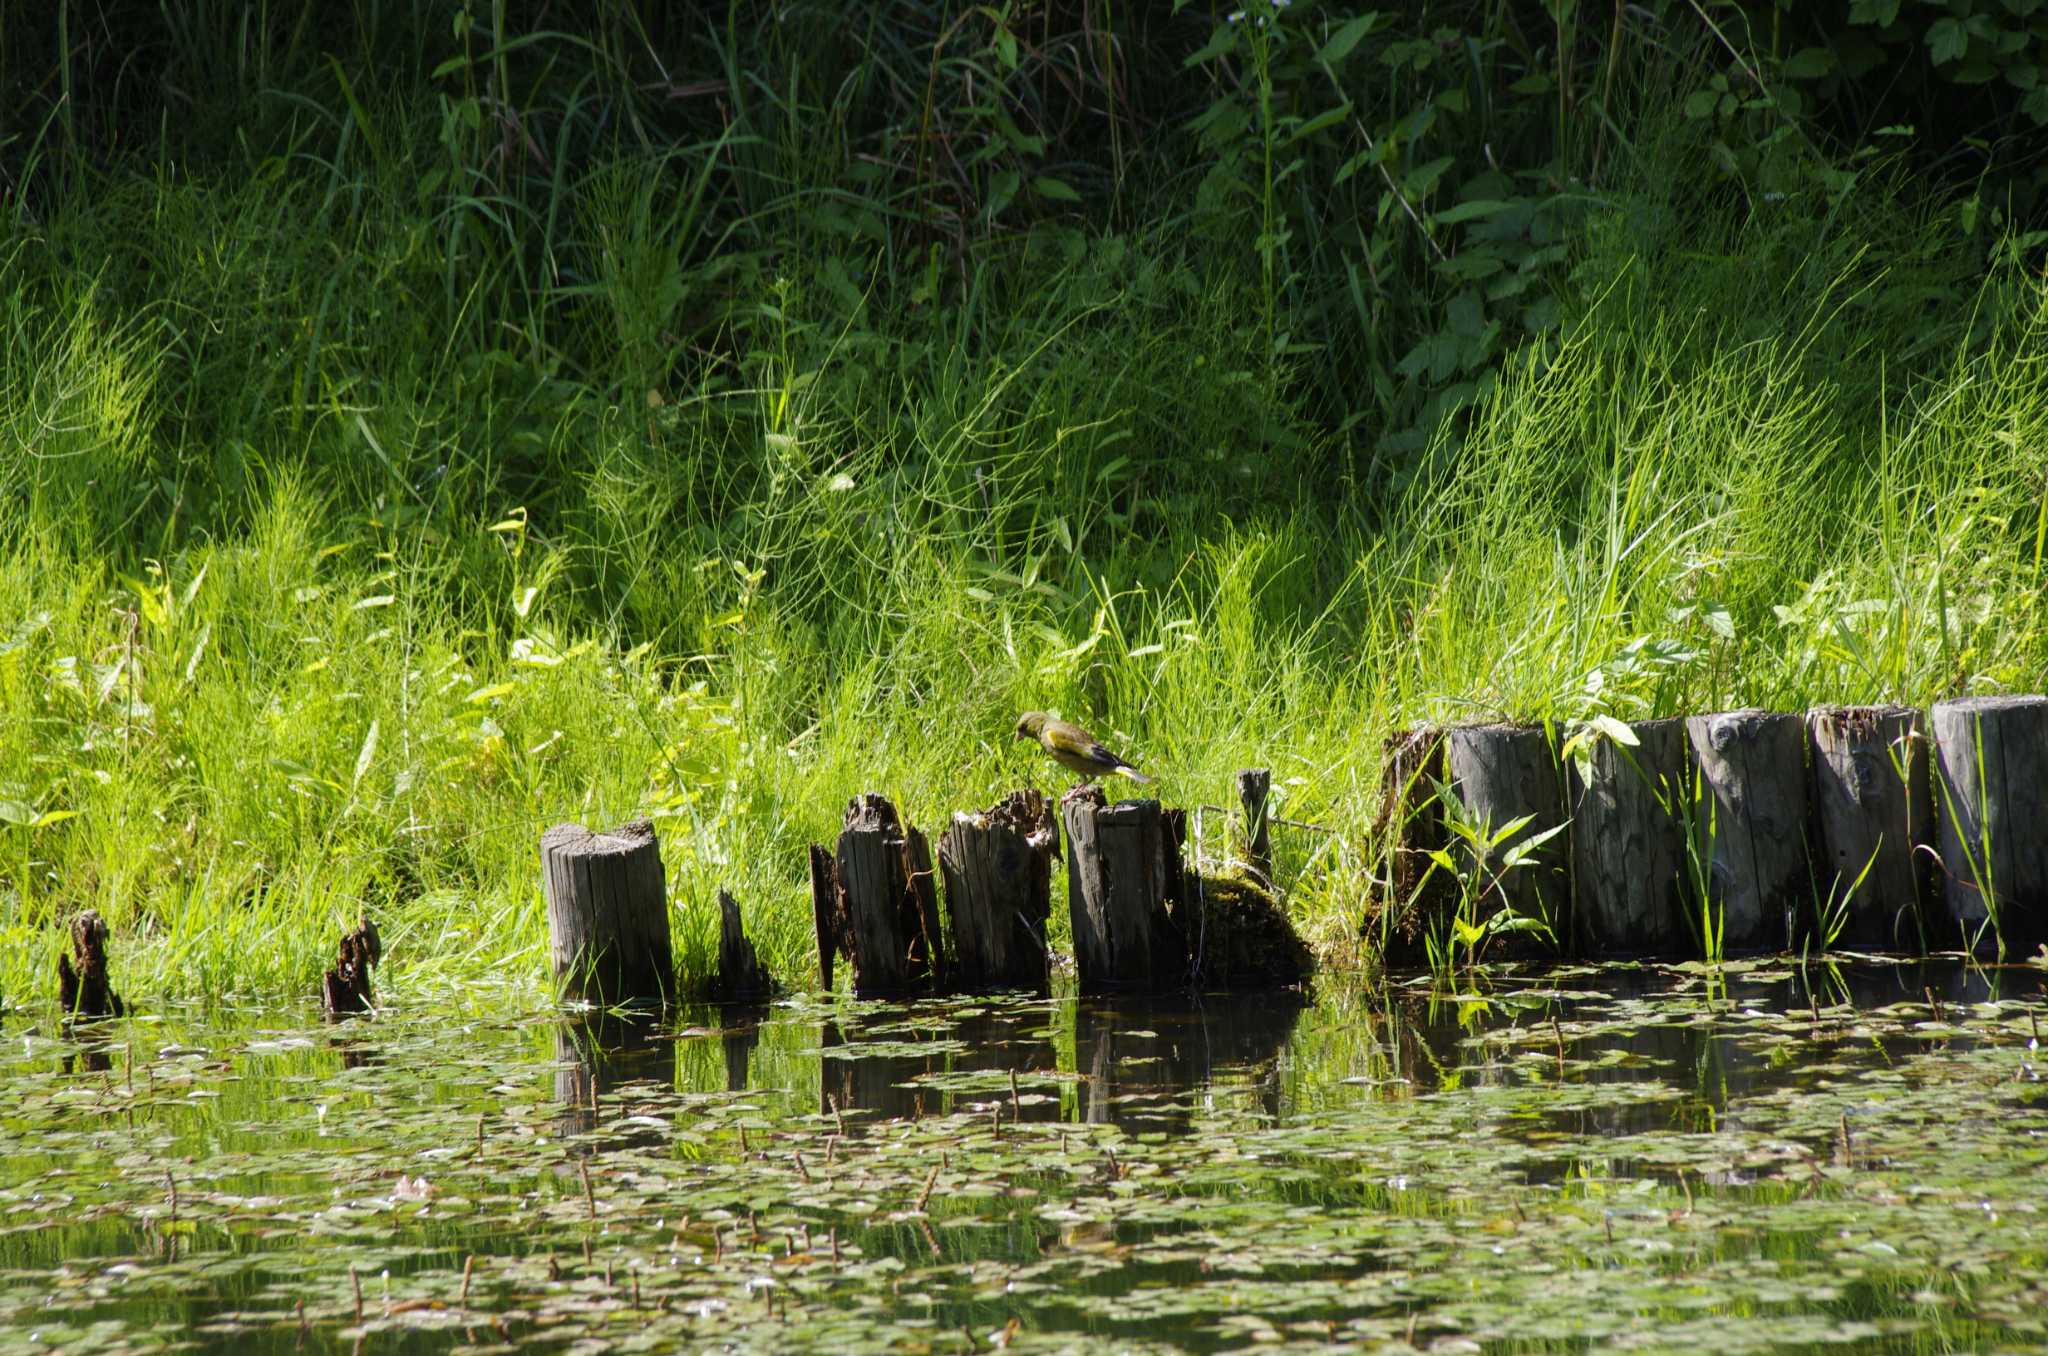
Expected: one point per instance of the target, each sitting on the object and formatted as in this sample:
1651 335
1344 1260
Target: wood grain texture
1628 844
1119 879
997 869
1873 820
607 914
1751 823
1501 773
875 901
1991 767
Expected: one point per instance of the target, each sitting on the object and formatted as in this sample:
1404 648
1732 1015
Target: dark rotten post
607 914
741 977
1991 756
997 866
1122 867
876 903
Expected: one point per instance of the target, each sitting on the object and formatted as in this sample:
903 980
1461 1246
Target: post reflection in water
1143 1060
597 1053
900 1082
739 1032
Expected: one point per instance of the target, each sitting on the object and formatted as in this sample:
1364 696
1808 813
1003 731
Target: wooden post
876 903
1750 820
1254 784
345 989
1502 773
608 914
1875 822
1628 843
1119 877
1991 754
741 976
1410 826
82 986
997 867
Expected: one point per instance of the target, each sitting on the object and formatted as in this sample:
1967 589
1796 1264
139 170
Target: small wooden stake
608 914
741 977
1254 785
82 987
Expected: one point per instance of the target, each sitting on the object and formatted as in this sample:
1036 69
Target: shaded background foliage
600 201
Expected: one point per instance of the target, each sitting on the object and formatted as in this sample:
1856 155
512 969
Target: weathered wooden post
1628 843
608 914
1120 873
741 977
997 866
1875 820
83 989
1991 756
1501 773
875 902
1254 785
1750 822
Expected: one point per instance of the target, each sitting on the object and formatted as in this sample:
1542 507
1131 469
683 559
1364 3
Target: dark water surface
1586 1158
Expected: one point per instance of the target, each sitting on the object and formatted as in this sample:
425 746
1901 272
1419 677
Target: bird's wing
1106 757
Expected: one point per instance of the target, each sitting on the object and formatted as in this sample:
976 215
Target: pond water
1845 1159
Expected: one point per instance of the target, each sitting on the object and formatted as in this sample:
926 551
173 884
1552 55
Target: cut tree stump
1750 818
608 915
1501 773
997 867
345 989
1991 757
82 987
1874 819
1122 868
741 977
1628 843
1409 828
875 902
1254 785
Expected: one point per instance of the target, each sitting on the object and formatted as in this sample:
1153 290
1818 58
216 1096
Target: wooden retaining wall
1876 828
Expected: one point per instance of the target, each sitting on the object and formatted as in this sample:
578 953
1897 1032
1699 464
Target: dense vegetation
421 423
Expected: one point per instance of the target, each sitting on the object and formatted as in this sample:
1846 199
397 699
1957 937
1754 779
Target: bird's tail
1135 775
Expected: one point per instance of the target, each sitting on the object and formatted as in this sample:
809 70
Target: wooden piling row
1746 830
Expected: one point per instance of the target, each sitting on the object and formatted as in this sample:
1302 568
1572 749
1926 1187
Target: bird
1073 747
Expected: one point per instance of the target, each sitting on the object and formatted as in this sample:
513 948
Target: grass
367 507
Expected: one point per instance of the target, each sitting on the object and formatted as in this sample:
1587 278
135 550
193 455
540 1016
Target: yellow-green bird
1073 747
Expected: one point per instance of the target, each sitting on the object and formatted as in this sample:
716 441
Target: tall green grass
373 500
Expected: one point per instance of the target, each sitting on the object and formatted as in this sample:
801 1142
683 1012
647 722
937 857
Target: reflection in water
1571 1158
894 1079
1143 1059
740 1027
597 1052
